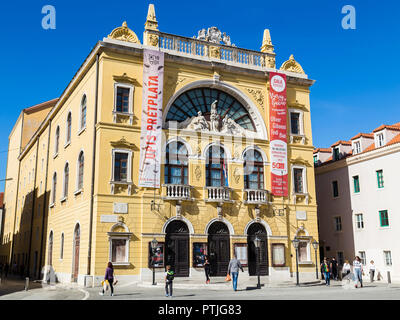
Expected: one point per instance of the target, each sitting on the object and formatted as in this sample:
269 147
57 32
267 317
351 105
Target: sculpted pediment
123 143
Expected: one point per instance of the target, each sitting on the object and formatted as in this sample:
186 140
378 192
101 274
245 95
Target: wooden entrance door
75 267
219 248
177 248
257 229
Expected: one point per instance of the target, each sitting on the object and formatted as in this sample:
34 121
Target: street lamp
257 243
154 244
315 245
296 243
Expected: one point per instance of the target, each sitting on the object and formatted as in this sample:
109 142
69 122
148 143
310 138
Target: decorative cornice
123 33
123 143
125 79
292 65
301 161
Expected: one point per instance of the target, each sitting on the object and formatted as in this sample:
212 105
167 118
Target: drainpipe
44 201
93 168
33 207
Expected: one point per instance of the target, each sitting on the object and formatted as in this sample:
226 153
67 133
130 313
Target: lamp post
257 243
315 245
296 243
154 244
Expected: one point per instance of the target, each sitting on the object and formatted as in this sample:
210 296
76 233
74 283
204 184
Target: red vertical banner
278 134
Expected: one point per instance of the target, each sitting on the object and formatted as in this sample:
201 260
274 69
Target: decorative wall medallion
197 173
236 175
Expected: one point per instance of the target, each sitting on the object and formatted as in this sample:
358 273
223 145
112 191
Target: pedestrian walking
207 269
109 277
346 270
326 271
169 278
334 269
358 271
372 269
233 269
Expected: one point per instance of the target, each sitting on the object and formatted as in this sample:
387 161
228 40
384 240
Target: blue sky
357 71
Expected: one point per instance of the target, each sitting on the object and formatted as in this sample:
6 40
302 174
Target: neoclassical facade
86 207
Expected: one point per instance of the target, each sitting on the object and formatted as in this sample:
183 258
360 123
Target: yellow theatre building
73 200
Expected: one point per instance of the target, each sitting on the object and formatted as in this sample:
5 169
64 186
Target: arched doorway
219 248
50 252
177 248
75 259
257 229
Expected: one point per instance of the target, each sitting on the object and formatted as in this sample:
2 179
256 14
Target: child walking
169 277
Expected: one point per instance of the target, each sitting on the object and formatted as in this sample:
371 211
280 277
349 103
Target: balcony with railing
180 192
218 194
202 49
256 196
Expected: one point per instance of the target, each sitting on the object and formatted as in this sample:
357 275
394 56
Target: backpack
170 275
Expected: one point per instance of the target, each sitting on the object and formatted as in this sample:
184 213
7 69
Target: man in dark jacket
334 269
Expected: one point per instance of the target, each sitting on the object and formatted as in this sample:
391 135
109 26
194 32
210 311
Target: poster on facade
151 131
278 134
156 257
199 254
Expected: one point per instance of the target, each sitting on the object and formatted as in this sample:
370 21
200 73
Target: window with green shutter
356 182
379 176
384 218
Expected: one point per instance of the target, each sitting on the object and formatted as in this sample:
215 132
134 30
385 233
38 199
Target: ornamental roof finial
151 21
267 43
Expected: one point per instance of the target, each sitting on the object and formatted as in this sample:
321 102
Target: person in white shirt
346 269
372 270
358 271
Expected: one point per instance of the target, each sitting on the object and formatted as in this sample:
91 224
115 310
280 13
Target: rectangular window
357 147
199 254
388 258
118 250
278 255
122 99
359 221
381 140
338 223
298 180
303 251
384 218
363 257
379 177
336 154
295 122
335 189
121 166
356 183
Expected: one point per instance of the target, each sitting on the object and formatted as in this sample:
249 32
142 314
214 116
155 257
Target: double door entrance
219 249
254 231
177 248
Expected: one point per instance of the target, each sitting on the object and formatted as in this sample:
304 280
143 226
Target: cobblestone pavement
337 290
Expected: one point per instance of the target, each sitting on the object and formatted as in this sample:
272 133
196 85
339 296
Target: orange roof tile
322 150
365 135
345 143
394 127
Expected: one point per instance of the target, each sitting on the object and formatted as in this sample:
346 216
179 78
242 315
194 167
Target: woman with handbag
109 277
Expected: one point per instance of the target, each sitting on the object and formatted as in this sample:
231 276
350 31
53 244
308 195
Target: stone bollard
388 277
26 284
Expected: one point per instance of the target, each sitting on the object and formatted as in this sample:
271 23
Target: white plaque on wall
120 207
108 218
301 215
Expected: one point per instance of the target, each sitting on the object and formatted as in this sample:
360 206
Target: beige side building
74 202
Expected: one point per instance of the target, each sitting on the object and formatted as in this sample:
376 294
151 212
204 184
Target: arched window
68 131
190 102
53 197
81 162
57 140
216 168
176 164
83 112
62 246
253 170
66 180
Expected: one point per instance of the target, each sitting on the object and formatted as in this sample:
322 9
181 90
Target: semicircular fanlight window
189 103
